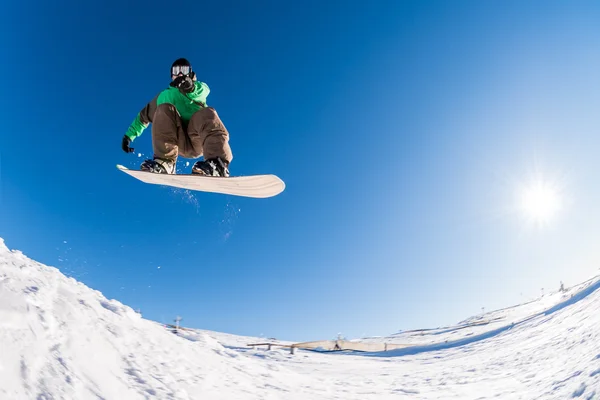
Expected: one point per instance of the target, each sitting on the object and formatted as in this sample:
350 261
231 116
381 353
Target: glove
183 83
125 145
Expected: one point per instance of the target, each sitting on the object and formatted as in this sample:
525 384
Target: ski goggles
181 69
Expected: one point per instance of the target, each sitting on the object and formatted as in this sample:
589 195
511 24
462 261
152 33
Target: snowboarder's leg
167 133
209 137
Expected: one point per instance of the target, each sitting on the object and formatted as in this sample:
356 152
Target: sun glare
540 202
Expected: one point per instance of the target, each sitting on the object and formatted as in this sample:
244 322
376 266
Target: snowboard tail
256 186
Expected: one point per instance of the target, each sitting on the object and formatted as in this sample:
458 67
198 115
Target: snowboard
257 186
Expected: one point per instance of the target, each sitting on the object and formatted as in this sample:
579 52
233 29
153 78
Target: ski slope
60 339
488 324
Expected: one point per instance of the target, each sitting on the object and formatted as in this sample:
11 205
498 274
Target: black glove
125 145
183 83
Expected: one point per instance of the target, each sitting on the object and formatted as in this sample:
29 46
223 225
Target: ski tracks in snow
35 338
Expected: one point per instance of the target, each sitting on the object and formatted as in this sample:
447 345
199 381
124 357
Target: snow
59 339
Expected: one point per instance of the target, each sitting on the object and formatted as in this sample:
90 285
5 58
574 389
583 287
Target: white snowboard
259 186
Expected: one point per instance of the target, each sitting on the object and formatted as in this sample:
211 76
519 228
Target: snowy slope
62 340
488 323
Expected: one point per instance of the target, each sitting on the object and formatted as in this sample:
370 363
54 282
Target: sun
540 201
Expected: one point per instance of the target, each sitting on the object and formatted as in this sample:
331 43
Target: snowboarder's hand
184 83
125 145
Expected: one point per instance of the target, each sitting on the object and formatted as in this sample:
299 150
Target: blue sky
405 132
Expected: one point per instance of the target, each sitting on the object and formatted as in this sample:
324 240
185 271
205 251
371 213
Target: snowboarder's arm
142 120
200 92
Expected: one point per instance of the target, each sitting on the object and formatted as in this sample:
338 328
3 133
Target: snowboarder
182 125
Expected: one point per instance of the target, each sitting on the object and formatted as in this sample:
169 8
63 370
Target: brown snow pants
205 135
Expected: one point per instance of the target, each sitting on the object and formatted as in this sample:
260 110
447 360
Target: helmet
181 65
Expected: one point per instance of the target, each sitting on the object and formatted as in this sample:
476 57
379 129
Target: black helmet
179 66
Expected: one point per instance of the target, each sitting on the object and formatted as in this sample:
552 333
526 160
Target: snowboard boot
158 166
212 167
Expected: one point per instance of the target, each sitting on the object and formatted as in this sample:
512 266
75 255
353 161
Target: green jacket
185 103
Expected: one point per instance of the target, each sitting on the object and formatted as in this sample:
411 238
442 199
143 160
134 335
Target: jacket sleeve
200 93
142 120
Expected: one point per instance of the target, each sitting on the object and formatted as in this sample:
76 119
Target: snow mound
59 339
